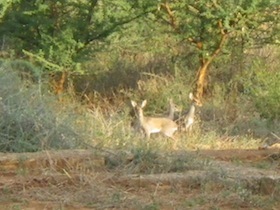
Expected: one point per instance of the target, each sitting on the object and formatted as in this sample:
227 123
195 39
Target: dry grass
78 179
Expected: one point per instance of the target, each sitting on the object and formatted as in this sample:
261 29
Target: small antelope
154 124
190 115
172 109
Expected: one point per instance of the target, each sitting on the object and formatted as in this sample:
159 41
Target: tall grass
32 119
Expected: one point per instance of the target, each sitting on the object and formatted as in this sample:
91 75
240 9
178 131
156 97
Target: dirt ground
83 179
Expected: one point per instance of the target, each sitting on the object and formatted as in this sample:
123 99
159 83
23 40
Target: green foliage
62 35
262 84
198 21
59 32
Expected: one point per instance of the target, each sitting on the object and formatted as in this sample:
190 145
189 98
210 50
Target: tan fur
154 124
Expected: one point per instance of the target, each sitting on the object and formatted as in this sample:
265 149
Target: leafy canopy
57 33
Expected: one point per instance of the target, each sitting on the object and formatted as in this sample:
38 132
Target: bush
262 85
31 119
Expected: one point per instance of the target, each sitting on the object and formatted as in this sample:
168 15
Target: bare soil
85 179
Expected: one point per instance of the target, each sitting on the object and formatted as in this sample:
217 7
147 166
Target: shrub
262 85
31 119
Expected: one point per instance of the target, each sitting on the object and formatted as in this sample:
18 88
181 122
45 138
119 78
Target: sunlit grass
116 133
49 123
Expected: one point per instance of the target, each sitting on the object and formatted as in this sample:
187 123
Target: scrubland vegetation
33 118
68 71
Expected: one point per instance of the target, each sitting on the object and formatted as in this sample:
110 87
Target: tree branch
170 13
108 31
45 62
202 72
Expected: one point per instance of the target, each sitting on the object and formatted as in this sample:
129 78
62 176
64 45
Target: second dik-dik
172 109
154 124
189 116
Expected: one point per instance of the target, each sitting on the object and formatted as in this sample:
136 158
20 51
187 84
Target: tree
210 25
57 34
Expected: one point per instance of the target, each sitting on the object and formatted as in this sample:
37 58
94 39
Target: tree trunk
58 82
201 82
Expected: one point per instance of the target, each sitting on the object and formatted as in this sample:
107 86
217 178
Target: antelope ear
133 103
143 103
191 96
195 100
170 100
